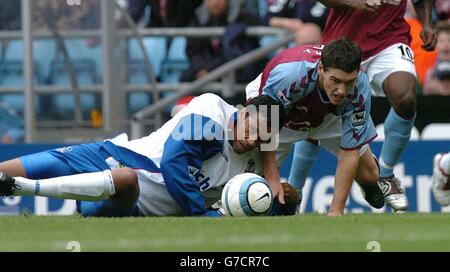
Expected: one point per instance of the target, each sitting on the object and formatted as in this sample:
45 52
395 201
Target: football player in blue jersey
175 170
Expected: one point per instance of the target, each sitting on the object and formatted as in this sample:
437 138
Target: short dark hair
268 101
342 54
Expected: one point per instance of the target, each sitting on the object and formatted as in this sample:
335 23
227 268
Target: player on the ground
381 31
441 178
173 171
325 96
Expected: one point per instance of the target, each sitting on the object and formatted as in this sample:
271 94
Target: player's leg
13 168
121 202
305 154
392 72
441 178
55 173
367 176
400 90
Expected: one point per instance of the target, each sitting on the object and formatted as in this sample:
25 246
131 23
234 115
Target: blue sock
397 132
104 208
305 154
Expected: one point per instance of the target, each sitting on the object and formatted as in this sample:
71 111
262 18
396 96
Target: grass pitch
307 232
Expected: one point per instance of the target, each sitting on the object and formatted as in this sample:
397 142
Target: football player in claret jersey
379 28
326 97
172 171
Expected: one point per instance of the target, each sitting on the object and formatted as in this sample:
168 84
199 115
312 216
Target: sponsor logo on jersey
197 176
358 118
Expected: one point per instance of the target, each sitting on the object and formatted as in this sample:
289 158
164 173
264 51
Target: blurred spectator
423 60
206 54
169 13
438 77
10 17
66 17
306 18
11 125
442 8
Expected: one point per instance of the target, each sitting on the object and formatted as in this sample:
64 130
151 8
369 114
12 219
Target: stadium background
64 86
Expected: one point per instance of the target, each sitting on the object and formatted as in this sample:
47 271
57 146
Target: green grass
308 232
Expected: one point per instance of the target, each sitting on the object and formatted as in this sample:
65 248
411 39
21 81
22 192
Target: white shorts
396 58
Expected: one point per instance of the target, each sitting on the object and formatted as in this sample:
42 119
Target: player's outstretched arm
272 175
424 9
348 161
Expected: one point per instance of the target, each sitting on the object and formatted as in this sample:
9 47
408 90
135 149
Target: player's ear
320 67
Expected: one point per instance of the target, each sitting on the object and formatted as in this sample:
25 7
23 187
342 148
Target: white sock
86 187
445 163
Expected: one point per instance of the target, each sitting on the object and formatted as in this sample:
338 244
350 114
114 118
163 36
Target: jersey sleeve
357 125
195 139
282 80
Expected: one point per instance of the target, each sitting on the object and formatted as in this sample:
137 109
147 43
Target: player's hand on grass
429 38
277 190
290 193
332 213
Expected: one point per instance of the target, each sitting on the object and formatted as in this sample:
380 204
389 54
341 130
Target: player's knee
405 105
126 184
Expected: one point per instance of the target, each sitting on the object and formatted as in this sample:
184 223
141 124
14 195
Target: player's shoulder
208 102
363 84
211 106
310 53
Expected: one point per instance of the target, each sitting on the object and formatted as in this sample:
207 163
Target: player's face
246 132
336 83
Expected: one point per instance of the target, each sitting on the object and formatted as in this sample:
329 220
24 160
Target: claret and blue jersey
291 77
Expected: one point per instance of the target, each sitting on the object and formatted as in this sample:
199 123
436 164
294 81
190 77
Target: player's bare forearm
424 10
345 173
271 173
